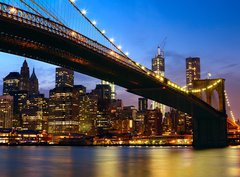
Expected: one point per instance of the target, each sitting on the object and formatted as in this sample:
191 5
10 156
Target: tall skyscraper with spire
158 67
33 84
24 80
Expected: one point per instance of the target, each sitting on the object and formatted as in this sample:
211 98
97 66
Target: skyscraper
11 83
64 77
24 81
6 111
33 84
158 63
142 104
113 89
192 70
158 67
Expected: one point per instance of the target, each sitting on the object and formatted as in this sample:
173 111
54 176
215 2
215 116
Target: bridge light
13 10
103 31
127 53
73 1
84 11
73 33
161 79
119 47
111 52
94 22
143 67
148 73
112 40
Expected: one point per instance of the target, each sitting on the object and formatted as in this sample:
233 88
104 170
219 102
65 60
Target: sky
206 29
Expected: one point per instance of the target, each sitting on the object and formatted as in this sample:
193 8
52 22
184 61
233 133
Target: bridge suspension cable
101 32
229 105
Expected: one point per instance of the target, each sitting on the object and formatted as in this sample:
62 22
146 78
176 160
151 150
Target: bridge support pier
209 132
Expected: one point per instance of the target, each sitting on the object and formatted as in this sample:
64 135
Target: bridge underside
33 42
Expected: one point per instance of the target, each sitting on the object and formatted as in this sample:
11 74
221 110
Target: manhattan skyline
194 29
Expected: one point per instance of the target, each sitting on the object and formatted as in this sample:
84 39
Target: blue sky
207 29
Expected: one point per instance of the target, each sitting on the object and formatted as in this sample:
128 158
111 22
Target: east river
44 161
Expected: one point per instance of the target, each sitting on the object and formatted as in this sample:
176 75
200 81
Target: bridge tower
205 90
210 131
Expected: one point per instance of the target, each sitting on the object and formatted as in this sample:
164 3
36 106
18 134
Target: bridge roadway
26 34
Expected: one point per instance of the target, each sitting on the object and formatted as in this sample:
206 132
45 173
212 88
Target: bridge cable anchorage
206 88
102 32
229 105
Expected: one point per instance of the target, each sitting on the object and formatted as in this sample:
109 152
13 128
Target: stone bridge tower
205 89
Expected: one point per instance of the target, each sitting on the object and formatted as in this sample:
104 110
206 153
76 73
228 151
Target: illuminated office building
158 67
11 83
64 77
192 70
6 111
113 88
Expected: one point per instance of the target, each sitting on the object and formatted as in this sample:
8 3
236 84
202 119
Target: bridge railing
61 30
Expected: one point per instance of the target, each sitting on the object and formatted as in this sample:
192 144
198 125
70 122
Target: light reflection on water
118 162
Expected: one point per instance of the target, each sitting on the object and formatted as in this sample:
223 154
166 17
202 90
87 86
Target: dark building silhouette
33 84
142 104
11 83
24 81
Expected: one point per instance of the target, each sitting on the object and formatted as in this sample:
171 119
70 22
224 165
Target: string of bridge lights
83 12
206 88
229 105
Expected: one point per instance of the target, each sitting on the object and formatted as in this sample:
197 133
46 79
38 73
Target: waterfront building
62 118
153 122
19 103
88 109
192 71
35 114
6 111
139 123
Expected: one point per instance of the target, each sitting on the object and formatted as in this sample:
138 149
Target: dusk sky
206 29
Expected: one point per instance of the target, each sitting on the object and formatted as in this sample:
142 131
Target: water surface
39 161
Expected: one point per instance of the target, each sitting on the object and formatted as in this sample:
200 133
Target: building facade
158 67
64 77
6 111
11 83
192 71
